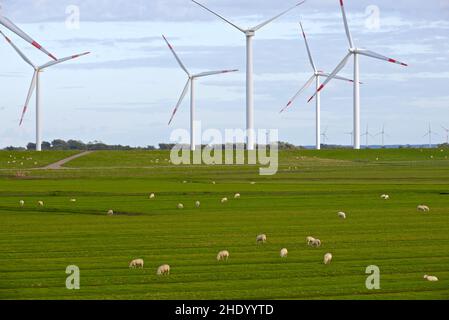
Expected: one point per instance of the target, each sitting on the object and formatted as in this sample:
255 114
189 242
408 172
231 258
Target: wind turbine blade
276 17
176 56
219 16
211 73
30 93
183 95
308 83
11 26
327 75
345 21
380 57
25 58
308 48
340 66
52 63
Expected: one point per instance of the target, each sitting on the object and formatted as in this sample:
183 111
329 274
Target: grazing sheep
342 215
197 204
180 206
40 203
72 200
110 212
328 258
152 196
184 182
253 183
224 200
310 240
137 263
237 196
316 243
223 255
213 182
163 270
262 238
385 197
284 253
423 208
22 203
431 278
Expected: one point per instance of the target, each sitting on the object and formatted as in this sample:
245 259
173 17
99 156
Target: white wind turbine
352 136
11 26
249 33
429 134
190 82
35 85
447 133
324 135
383 134
316 76
367 134
356 52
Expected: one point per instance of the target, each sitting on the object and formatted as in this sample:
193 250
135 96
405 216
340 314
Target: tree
46 145
31 146
59 144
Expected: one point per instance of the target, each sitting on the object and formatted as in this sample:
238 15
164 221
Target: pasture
303 199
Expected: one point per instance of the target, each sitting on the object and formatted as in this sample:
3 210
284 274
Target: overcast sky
124 92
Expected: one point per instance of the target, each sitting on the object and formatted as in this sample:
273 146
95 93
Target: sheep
22 203
423 208
213 182
180 206
327 258
224 200
197 204
223 255
72 200
385 197
310 240
152 196
316 243
163 270
342 215
237 196
253 183
431 278
262 238
284 253
110 212
40 203
137 263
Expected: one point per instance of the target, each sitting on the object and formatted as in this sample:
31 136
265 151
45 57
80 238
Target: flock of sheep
164 270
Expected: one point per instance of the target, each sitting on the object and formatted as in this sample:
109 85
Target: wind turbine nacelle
250 33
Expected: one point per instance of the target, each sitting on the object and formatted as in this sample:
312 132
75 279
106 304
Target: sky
125 91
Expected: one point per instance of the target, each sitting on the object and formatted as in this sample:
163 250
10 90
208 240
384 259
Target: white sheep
72 200
152 196
137 263
284 253
431 278
223 255
213 182
197 204
180 206
385 197
253 183
110 212
40 203
163 270
342 215
316 243
224 200
262 238
237 196
327 258
310 240
22 203
423 208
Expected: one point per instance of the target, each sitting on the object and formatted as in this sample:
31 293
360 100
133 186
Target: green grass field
37 244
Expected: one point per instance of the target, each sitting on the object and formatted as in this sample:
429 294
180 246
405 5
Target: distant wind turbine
316 76
354 51
429 134
11 26
352 136
383 134
35 85
324 136
249 33
190 82
367 134
447 133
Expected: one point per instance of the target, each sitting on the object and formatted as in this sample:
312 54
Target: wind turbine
190 82
352 136
447 134
249 33
316 76
430 133
367 134
325 136
35 85
383 134
11 26
355 52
